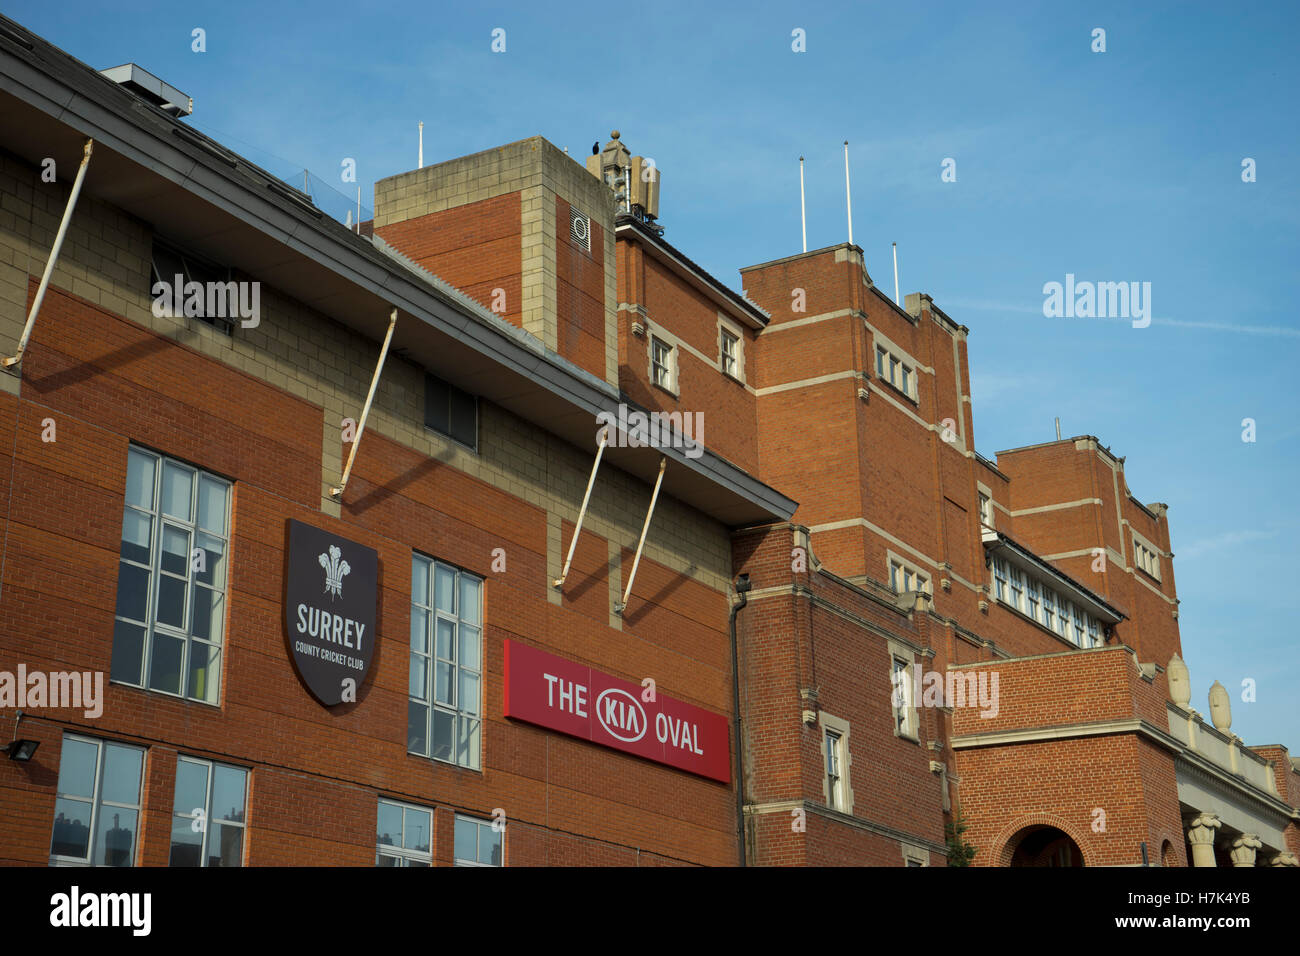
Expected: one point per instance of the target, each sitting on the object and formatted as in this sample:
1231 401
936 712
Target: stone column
1284 859
1243 849
1200 834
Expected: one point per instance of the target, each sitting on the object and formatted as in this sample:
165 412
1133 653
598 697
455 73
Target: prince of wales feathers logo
334 571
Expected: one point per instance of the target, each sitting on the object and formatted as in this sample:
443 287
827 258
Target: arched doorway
1042 845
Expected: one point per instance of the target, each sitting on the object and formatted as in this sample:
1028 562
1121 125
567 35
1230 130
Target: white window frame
730 330
907 707
220 589
1000 581
1146 556
897 370
669 383
97 801
1033 599
1094 632
1016 578
205 817
985 494
399 852
467 725
478 836
1049 608
1064 614
905 576
843 799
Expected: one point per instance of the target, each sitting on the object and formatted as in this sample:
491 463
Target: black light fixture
742 584
22 750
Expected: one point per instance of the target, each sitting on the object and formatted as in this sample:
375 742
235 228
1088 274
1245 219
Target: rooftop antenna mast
848 195
803 214
421 160
1058 428
895 273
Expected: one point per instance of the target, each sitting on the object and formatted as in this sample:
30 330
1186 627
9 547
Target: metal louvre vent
580 229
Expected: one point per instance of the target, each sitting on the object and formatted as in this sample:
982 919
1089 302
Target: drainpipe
742 589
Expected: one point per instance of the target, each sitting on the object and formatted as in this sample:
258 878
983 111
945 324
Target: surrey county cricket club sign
551 692
330 593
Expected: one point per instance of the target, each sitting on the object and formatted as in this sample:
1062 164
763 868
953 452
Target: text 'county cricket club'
549 691
331 592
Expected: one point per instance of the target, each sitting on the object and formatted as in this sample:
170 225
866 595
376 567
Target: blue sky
1115 166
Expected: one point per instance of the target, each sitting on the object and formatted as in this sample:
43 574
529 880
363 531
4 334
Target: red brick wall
789 642
580 294
476 247
316 778
670 303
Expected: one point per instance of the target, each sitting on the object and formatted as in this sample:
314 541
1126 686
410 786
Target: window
171 580
1017 596
1063 618
97 803
1032 599
1000 579
730 354
896 372
905 578
208 811
1080 631
443 716
168 262
901 678
986 510
477 843
833 789
450 412
579 229
836 787
1146 559
1049 608
404 835
1094 632
662 364
915 855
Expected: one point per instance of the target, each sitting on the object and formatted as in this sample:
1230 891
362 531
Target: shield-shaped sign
331 592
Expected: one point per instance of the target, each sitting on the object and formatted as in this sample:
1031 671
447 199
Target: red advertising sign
549 691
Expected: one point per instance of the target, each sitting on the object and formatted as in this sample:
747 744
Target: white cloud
1221 542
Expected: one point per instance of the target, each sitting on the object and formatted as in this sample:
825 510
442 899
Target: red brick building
542 668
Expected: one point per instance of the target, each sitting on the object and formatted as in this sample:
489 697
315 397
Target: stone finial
1180 682
1244 849
1220 708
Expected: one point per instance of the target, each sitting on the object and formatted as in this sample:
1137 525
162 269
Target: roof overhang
995 542
199 194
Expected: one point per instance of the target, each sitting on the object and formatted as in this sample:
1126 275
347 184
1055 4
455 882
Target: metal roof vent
151 89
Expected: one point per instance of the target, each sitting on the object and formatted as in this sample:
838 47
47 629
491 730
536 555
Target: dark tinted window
450 411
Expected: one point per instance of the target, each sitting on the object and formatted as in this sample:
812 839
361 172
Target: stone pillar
1243 849
1284 859
1200 834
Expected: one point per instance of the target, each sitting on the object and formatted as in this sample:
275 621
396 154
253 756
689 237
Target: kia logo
621 715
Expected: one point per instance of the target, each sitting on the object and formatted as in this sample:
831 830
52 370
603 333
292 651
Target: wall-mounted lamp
22 750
